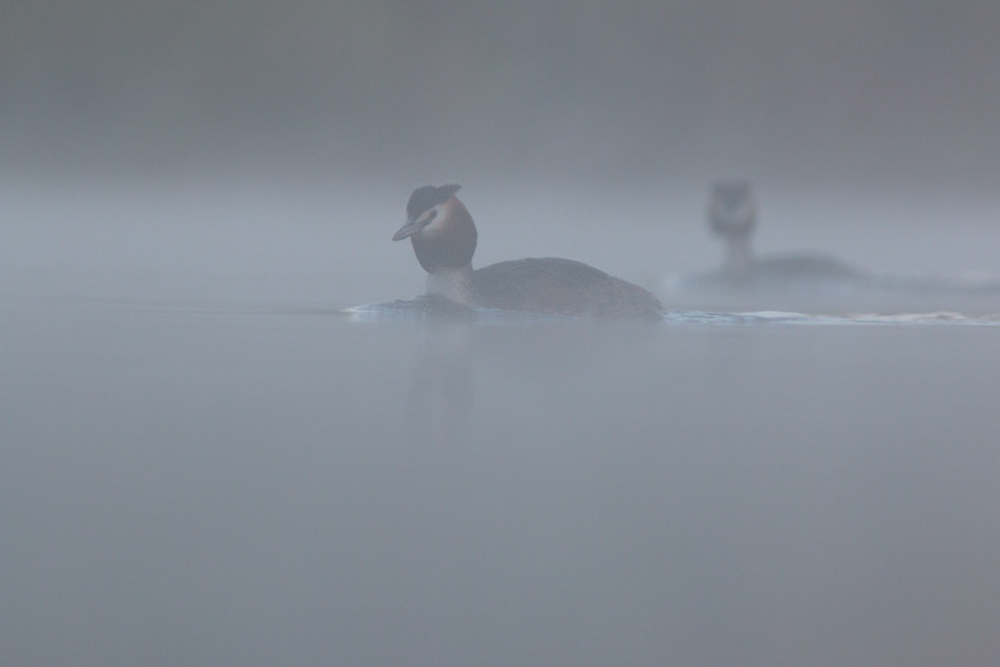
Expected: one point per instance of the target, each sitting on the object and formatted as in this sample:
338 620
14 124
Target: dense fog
860 92
211 455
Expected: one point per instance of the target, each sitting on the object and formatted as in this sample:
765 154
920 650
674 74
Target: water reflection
440 398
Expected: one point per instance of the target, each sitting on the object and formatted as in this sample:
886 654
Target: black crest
427 197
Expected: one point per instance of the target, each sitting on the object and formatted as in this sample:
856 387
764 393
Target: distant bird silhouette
732 214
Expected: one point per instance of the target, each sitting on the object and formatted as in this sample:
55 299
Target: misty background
866 94
204 461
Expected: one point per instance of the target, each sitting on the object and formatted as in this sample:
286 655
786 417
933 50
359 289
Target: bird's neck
454 284
739 256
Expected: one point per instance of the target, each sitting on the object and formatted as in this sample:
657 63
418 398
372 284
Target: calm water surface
184 485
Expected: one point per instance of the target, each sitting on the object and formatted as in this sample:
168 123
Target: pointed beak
409 229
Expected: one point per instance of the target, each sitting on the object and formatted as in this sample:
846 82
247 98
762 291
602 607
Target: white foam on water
418 309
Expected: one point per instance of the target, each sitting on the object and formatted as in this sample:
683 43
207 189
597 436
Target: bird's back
561 287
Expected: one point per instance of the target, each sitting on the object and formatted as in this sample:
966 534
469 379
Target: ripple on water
436 308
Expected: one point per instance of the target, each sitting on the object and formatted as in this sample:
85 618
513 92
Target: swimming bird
444 238
732 214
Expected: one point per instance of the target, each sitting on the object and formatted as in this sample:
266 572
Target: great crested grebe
807 281
444 240
732 214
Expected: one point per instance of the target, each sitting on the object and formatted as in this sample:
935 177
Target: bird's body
562 286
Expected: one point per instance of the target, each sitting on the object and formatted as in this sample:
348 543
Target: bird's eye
430 215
